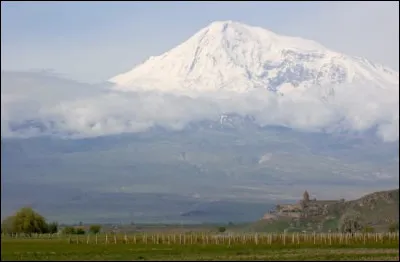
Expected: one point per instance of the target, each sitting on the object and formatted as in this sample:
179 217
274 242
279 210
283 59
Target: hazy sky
93 41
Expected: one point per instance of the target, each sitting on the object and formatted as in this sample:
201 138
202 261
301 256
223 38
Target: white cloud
84 110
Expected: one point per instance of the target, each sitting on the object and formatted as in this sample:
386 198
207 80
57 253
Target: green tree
221 229
52 227
27 221
80 231
94 229
7 225
393 227
69 230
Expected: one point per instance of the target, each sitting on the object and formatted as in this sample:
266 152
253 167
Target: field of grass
203 247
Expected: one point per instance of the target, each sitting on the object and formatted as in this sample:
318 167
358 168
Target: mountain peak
222 26
230 30
238 57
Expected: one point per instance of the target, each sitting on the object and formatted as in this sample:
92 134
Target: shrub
69 230
393 228
80 231
52 227
221 229
94 229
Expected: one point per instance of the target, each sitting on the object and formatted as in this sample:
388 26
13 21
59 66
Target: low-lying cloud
73 109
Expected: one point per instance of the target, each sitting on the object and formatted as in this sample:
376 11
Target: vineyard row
221 239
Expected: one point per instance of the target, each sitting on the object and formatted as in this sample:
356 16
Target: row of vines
224 239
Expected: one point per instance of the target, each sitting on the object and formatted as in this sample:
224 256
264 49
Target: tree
69 230
221 229
94 229
351 222
26 220
393 227
52 227
7 225
351 226
80 231
73 231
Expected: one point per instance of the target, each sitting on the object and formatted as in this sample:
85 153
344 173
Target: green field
203 247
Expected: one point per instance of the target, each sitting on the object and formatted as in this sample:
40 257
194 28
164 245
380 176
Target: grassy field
203 247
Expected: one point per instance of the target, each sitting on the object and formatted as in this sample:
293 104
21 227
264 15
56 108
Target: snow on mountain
225 56
231 56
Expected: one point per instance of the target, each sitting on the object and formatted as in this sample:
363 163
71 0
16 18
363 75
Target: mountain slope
236 57
378 210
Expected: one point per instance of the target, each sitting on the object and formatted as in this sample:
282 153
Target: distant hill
377 211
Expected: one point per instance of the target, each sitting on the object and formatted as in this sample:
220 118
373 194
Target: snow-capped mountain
236 57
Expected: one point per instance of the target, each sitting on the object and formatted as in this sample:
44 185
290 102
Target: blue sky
93 41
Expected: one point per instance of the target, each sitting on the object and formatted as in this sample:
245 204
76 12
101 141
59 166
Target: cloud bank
35 104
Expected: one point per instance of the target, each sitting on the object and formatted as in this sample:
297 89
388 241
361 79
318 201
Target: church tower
306 197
